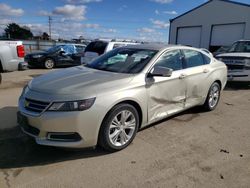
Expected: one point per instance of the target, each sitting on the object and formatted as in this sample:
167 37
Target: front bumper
239 75
35 62
84 124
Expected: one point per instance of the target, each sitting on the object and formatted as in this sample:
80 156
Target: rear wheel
213 97
49 64
119 128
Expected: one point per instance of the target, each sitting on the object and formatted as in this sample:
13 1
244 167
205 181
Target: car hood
37 53
247 55
79 80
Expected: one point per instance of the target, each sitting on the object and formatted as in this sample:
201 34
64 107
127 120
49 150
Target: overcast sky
133 19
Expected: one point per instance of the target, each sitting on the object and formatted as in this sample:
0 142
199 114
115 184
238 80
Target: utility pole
50 20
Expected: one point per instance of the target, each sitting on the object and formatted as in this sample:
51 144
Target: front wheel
49 64
119 128
213 97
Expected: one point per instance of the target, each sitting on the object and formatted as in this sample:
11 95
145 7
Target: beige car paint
157 97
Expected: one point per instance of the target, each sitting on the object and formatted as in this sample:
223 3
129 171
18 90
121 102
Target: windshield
97 47
68 49
243 46
54 49
123 60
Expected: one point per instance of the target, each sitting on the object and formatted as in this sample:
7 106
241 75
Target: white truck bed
9 60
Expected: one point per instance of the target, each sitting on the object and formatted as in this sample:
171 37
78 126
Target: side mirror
161 71
62 53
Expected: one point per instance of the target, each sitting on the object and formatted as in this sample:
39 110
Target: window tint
97 46
193 58
171 60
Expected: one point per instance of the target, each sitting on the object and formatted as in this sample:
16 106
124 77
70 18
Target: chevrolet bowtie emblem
26 104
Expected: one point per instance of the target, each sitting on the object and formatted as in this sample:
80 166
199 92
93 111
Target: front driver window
171 60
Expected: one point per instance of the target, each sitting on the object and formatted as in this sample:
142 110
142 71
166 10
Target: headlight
247 63
220 59
37 56
25 89
72 106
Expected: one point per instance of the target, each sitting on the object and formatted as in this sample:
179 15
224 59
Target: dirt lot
193 149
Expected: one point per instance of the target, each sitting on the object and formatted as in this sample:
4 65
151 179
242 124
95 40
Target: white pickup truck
11 55
237 59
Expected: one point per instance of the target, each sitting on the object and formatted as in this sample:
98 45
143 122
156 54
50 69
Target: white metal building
213 24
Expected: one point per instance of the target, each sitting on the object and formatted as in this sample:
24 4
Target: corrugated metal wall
33 46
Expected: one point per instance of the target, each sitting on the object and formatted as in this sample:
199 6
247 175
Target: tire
114 135
49 64
213 97
1 67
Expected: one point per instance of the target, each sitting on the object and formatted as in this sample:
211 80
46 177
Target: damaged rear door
166 95
197 72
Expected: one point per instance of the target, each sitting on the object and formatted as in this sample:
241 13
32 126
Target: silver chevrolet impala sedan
107 101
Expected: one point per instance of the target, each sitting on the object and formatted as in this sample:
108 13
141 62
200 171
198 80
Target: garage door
189 36
225 35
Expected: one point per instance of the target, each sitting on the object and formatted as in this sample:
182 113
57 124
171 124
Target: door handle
182 76
206 71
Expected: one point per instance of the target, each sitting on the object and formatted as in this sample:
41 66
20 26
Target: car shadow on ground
8 117
237 86
18 150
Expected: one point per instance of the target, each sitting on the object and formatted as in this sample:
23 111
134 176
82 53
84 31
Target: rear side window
193 58
118 45
206 59
97 47
171 60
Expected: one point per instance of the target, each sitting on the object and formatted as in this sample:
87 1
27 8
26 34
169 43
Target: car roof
157 47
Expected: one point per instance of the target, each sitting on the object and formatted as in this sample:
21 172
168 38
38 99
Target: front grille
235 67
35 106
233 58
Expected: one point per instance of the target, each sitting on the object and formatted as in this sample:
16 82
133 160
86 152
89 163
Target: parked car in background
99 47
221 50
58 56
11 55
237 60
108 100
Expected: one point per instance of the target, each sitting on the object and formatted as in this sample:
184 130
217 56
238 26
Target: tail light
20 51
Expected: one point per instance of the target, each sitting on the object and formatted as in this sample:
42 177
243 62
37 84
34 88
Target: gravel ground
193 149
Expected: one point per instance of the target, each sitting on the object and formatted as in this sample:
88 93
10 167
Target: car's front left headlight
25 90
72 105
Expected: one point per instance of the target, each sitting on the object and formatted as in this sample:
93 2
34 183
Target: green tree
45 36
14 31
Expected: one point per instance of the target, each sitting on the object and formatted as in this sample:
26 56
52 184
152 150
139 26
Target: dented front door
166 95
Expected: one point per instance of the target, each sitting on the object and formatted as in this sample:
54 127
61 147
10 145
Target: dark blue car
58 56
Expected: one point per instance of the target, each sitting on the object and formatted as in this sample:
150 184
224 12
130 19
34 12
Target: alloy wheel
214 96
122 128
49 64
